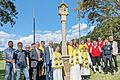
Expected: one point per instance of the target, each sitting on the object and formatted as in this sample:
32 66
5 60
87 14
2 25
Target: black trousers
114 58
108 58
96 60
85 77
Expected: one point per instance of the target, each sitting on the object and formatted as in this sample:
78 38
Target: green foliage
104 13
105 31
99 11
8 12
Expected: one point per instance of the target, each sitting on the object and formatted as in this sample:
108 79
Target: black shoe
112 73
116 69
106 72
94 72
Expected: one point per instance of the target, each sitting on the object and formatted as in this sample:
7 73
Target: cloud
82 27
6 35
4 38
45 35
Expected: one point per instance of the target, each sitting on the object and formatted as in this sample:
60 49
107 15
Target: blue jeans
26 74
49 72
9 70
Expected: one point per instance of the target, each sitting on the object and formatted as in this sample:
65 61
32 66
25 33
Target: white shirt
51 52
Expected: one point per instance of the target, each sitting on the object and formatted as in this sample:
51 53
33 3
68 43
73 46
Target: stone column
64 52
63 12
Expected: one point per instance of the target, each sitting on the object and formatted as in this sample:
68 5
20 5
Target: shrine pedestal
66 68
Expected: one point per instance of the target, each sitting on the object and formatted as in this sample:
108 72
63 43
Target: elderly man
36 57
89 45
48 54
27 49
100 42
115 51
107 56
8 57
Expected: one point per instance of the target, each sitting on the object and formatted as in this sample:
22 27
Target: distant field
96 76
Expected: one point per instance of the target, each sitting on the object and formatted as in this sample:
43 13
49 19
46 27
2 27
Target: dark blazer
34 57
47 55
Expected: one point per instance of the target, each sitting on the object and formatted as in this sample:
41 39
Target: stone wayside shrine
63 13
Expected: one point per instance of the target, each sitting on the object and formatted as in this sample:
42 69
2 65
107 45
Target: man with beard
8 57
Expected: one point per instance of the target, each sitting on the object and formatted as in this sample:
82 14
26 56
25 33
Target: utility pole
33 26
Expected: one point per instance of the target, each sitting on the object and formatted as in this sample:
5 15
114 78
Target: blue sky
46 12
47 21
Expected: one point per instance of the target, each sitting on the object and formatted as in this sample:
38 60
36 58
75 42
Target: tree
105 14
8 12
100 11
105 32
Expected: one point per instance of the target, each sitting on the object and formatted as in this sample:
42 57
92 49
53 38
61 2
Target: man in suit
48 54
36 57
115 51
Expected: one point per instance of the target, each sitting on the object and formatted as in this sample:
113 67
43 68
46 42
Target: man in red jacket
95 50
89 44
100 42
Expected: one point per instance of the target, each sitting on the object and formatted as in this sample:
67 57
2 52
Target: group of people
37 62
92 55
40 62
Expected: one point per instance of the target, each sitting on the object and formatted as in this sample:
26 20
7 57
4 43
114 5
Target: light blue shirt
8 53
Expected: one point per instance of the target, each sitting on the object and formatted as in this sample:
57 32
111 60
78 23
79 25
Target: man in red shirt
95 50
100 42
89 44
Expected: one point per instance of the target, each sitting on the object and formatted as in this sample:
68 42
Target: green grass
96 76
108 76
2 64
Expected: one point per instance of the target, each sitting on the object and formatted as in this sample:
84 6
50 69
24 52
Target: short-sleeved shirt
8 53
20 59
107 49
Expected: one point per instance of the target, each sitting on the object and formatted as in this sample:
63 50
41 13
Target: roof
63 4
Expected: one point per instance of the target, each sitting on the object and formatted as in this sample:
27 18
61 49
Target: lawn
2 69
96 76
108 76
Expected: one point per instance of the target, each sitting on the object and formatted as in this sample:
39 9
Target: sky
48 24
